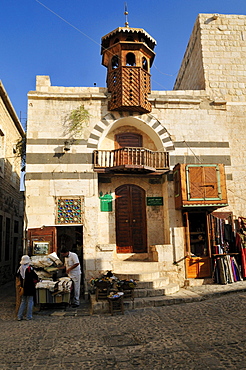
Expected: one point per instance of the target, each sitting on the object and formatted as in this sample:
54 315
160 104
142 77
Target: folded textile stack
41 261
64 284
47 284
46 266
53 256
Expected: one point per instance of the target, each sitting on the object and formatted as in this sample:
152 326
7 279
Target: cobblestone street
208 334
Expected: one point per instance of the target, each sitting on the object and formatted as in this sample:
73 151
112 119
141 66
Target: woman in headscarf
28 279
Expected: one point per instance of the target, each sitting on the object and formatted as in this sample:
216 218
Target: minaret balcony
140 160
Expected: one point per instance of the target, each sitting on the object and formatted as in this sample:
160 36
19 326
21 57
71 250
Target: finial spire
126 14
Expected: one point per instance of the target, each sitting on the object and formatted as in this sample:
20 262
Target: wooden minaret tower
128 54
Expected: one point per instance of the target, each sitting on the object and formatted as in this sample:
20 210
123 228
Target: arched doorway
130 210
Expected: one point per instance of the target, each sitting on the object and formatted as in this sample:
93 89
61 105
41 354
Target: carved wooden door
131 235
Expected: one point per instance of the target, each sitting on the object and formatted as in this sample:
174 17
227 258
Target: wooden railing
138 157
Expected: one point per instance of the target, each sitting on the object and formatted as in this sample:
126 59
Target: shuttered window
203 182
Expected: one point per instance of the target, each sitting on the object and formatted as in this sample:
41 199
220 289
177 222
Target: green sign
154 201
106 203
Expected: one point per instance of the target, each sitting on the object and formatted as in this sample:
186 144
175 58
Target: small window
130 59
115 62
145 64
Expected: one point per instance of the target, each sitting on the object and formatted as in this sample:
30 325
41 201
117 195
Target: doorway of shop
198 252
71 237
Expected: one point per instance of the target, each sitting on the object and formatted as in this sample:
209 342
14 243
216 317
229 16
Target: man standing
74 272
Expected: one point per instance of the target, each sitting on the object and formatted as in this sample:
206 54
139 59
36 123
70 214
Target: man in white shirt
74 272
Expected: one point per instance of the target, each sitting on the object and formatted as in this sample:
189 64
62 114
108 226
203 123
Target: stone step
154 284
146 302
165 290
138 275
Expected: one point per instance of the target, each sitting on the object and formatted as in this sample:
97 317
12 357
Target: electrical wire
97 43
70 24
199 160
166 74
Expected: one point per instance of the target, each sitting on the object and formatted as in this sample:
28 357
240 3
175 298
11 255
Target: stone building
11 199
135 189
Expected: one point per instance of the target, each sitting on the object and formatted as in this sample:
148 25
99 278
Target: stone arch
103 127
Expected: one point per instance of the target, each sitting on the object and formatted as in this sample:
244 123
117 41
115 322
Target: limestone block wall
11 199
222 51
208 133
236 125
50 170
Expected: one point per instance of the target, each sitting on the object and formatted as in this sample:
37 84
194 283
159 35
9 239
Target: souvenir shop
216 246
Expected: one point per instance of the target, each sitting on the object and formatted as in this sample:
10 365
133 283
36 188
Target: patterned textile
241 244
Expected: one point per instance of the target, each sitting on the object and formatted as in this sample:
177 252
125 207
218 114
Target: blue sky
35 41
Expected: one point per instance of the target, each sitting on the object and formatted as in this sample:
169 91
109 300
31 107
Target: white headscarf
25 262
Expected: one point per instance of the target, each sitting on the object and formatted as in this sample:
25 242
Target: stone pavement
204 334
185 295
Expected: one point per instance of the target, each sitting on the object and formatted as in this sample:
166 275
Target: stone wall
222 52
11 199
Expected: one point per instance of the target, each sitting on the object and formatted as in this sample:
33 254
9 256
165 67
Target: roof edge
129 29
10 109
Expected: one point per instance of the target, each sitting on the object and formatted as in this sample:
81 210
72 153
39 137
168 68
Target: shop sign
154 201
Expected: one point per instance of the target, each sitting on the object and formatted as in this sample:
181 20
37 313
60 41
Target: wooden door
131 234
46 234
123 142
128 139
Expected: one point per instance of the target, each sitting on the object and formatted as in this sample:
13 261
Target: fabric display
49 289
223 238
241 243
226 270
62 285
47 284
